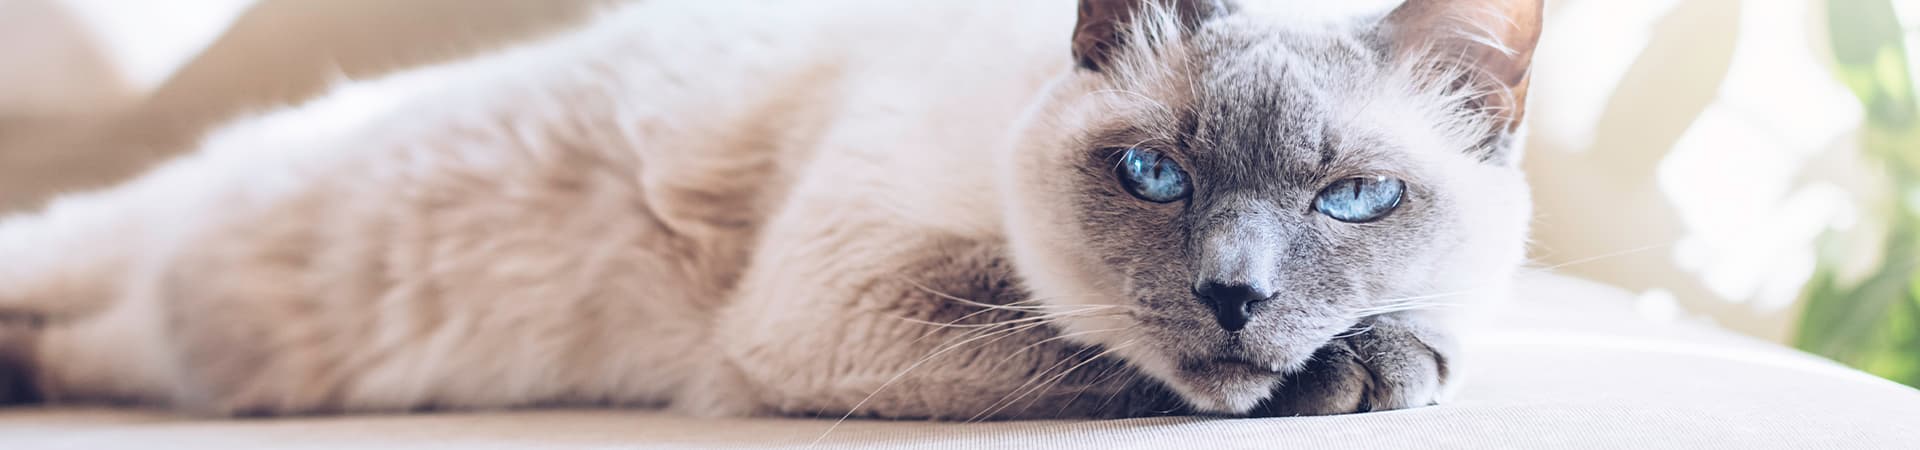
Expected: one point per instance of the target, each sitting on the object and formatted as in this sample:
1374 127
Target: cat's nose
1232 303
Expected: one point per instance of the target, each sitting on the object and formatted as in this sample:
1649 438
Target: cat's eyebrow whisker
1143 97
1142 142
1136 144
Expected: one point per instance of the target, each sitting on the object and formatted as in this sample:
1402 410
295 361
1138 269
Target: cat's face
1217 204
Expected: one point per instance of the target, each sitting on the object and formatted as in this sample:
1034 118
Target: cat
943 210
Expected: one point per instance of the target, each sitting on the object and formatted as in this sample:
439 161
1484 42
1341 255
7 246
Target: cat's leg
1394 361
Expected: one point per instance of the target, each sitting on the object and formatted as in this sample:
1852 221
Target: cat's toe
1335 382
1406 373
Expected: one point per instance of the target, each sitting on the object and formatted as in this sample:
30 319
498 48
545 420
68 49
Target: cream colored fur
689 203
557 220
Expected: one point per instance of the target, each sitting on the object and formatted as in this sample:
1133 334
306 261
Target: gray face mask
1253 189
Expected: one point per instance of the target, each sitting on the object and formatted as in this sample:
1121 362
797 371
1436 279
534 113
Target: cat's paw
1384 364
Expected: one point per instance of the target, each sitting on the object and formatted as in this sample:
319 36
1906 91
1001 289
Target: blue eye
1152 177
1359 200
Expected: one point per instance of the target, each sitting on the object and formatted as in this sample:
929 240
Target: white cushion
1569 366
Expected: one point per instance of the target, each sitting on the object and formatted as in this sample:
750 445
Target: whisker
1591 259
1143 97
1060 337
1385 306
1411 303
1062 376
1397 307
1058 378
1019 305
1131 379
1352 333
903 373
1431 296
952 323
954 298
995 406
1102 380
1042 372
1048 316
1010 329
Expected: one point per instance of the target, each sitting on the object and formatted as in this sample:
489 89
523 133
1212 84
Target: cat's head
1215 191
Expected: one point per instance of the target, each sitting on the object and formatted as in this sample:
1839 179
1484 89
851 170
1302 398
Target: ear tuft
1104 24
1487 42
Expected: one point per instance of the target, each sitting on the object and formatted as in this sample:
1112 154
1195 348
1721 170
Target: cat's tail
65 262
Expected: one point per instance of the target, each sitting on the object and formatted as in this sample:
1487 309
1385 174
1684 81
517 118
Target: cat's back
910 101
695 119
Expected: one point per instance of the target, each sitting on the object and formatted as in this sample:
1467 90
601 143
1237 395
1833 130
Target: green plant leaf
1875 324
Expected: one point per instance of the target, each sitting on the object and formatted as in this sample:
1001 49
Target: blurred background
1750 163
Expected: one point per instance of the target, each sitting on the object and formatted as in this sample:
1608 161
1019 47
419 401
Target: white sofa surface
1569 365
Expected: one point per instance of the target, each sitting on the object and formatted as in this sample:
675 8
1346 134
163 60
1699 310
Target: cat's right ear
1105 25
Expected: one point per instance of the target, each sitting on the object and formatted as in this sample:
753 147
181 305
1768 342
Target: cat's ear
1487 44
1104 24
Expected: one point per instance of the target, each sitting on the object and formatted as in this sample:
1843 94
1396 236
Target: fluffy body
733 210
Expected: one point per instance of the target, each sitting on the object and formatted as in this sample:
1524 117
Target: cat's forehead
1247 48
1265 71
1268 99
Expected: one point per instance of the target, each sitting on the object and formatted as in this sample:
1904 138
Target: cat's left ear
1489 43
1103 24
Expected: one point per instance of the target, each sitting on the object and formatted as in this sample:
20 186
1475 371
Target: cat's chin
1225 386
